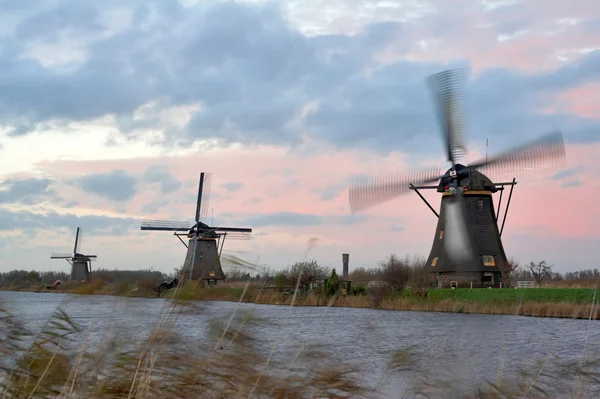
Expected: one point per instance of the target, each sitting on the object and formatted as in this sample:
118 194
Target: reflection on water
446 345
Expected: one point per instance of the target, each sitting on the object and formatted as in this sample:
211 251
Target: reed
59 362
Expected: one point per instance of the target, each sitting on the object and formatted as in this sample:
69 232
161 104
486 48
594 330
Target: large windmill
81 267
467 246
203 259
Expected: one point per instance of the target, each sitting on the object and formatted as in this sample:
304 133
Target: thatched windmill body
205 243
467 247
81 264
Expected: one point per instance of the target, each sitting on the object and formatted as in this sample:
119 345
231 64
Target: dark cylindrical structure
482 229
345 259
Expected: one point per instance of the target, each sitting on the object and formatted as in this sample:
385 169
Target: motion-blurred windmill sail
81 267
205 242
467 245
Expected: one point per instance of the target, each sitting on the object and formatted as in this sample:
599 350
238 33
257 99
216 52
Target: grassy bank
538 302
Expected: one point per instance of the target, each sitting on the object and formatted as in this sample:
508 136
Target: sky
110 110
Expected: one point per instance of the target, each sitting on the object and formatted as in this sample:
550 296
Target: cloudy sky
110 110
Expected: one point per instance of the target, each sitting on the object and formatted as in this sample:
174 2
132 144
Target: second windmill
202 261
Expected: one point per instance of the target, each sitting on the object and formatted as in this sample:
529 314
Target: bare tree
508 270
540 270
395 271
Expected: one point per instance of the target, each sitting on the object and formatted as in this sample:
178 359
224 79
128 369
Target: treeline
22 279
410 271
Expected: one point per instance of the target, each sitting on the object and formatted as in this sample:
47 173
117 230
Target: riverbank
536 302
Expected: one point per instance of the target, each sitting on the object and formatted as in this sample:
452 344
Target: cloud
566 173
297 95
117 185
572 183
253 90
93 224
27 191
232 186
330 192
160 174
283 219
293 219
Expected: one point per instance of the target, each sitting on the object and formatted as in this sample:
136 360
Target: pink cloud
546 34
286 181
582 101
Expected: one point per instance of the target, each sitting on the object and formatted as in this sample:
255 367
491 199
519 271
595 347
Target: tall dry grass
59 362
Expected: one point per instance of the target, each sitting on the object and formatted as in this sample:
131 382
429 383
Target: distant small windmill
203 259
81 268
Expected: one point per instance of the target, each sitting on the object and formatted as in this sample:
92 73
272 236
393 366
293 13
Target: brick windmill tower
81 265
205 243
467 247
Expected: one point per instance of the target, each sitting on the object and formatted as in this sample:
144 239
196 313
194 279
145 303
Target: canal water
463 350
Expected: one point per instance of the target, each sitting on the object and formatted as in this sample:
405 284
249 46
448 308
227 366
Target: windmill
203 258
81 267
467 246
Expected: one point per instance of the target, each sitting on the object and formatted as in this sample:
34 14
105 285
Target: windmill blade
446 88
367 191
234 235
164 225
457 241
205 197
199 199
544 153
78 240
75 247
61 256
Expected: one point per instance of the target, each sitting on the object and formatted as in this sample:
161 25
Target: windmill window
480 203
488 260
434 261
441 234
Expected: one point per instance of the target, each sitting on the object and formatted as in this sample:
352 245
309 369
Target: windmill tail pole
507 205
424 200
193 255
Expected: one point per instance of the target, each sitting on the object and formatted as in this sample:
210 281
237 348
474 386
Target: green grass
569 295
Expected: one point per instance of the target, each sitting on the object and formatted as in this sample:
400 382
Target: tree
540 270
508 271
395 271
333 284
307 271
281 280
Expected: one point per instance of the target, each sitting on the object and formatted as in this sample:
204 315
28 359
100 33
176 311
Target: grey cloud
295 219
116 185
154 206
253 201
232 186
160 174
331 192
397 228
566 173
73 16
348 219
572 183
255 73
26 191
92 224
283 219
